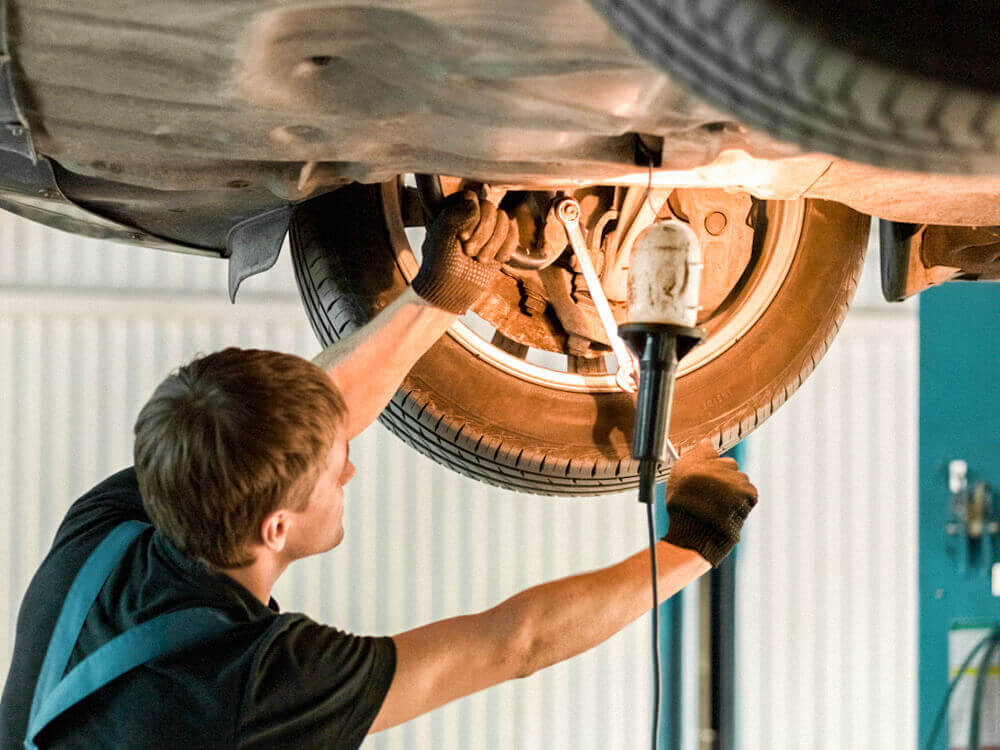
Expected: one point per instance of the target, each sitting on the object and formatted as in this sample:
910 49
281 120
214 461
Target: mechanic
241 458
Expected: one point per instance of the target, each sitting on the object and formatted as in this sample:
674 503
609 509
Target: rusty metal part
509 345
568 212
517 308
715 223
973 250
915 257
576 312
554 295
549 244
586 365
561 299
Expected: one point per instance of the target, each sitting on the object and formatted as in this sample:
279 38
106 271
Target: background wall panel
826 637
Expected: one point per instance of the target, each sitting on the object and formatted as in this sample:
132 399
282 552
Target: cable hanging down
647 495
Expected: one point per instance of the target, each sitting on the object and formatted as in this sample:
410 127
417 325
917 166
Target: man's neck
259 577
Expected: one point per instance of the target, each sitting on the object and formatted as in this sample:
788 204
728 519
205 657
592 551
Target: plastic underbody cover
187 95
183 117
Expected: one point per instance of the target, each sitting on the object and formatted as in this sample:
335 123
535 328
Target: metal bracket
895 247
254 245
578 316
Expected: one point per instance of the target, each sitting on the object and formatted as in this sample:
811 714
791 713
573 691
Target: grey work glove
708 499
466 244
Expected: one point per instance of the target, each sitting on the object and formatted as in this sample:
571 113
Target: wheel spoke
510 346
586 365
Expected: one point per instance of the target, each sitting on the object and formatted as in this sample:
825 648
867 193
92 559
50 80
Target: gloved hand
708 498
466 244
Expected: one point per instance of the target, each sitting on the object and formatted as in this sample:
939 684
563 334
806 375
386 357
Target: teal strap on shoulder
161 636
81 597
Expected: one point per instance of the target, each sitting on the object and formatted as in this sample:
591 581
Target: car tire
470 416
804 83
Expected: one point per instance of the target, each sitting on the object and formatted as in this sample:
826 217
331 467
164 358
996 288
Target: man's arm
369 365
708 499
534 629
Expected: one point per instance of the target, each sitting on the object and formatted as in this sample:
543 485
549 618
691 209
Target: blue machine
959 584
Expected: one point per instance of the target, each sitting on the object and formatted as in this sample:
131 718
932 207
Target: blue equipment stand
722 628
959 420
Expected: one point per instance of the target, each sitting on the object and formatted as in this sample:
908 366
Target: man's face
320 527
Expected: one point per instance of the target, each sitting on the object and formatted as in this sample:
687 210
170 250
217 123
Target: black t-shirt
271 681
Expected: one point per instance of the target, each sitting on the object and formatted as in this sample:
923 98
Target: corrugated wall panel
827 599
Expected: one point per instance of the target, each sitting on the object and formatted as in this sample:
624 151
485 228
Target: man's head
234 445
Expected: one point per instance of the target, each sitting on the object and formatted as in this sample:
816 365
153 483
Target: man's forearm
369 365
563 618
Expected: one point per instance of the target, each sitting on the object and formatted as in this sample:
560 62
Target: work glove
466 244
708 499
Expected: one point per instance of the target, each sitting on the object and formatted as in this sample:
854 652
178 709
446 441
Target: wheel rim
781 239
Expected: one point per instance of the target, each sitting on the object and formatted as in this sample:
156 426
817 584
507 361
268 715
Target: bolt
939 594
715 223
569 210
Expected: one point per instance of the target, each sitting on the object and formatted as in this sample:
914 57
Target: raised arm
369 365
541 626
465 246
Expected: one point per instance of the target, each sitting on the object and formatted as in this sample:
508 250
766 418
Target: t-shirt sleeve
314 686
113 501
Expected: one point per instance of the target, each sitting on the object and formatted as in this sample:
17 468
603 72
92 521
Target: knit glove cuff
454 283
708 540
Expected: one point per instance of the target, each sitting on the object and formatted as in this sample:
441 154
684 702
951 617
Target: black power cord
993 637
977 695
647 495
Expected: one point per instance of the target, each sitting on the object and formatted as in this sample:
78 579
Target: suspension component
567 211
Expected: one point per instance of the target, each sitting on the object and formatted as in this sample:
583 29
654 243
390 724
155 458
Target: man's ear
274 530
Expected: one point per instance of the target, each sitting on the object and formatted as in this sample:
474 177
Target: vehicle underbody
182 118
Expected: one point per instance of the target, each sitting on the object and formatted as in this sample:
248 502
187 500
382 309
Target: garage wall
827 604
87 329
